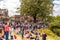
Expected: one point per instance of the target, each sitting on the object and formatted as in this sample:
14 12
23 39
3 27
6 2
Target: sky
56 8
12 5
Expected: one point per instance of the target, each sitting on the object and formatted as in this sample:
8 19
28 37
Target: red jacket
6 28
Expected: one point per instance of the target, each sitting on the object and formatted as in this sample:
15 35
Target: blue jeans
7 35
36 38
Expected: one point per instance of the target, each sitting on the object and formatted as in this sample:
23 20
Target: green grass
50 34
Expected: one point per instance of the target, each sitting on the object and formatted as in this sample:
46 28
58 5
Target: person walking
6 31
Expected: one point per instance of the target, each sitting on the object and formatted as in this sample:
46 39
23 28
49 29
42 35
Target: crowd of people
27 29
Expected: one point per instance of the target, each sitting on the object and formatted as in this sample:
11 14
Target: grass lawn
50 34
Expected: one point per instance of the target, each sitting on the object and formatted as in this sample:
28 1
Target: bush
56 30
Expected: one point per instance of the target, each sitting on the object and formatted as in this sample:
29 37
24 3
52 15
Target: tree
36 8
55 25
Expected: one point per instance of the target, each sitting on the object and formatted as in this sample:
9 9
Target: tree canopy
36 8
55 25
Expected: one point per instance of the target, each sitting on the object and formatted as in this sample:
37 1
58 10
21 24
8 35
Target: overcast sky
12 5
56 7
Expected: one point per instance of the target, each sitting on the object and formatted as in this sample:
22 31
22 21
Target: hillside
50 34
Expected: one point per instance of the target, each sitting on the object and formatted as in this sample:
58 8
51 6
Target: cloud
1 0
56 7
11 5
56 2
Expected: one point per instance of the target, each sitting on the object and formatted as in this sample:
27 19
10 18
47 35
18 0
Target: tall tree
55 25
36 8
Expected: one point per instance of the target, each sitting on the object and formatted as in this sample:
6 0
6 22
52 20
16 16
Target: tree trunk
34 18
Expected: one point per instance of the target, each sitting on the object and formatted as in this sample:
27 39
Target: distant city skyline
12 6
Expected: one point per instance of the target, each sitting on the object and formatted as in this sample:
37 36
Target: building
15 17
4 15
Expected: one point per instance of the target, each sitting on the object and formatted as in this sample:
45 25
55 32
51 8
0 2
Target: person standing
37 38
1 31
6 31
12 33
37 35
44 36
